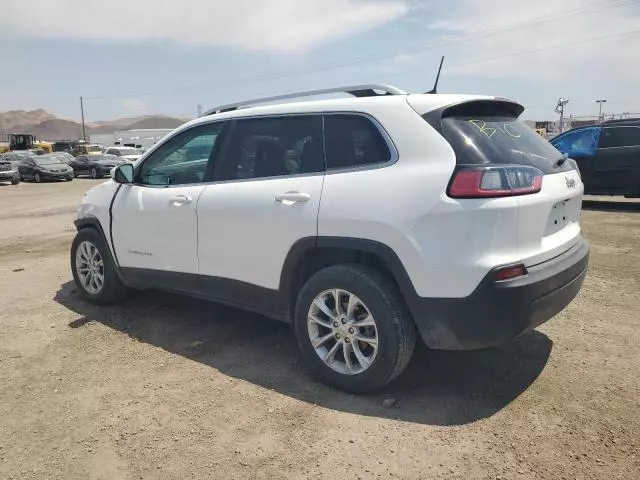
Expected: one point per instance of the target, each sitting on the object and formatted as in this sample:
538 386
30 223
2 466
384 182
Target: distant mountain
46 126
15 118
56 129
130 122
157 122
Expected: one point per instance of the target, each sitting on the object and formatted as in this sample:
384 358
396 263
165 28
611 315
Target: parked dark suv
608 156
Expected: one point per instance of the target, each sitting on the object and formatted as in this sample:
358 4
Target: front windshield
40 160
94 148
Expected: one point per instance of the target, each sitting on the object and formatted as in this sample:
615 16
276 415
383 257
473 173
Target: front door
581 145
154 219
27 168
264 198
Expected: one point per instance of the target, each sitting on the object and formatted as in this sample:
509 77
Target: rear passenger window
272 147
353 141
620 137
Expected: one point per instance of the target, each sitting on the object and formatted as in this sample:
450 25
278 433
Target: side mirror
123 173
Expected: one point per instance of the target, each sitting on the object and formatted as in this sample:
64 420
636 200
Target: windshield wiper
561 160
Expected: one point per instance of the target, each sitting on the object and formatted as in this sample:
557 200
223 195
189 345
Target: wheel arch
94 223
310 255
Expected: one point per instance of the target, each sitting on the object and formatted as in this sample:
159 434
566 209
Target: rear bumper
497 312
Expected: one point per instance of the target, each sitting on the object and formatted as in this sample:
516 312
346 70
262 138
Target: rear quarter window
353 141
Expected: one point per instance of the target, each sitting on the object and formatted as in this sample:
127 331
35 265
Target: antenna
435 85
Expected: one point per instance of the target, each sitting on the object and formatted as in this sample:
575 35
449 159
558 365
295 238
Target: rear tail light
507 273
495 181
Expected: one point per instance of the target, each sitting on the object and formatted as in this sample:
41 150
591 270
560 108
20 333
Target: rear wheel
94 173
353 328
37 178
93 269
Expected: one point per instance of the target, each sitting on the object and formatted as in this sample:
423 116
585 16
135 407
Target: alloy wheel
90 267
342 331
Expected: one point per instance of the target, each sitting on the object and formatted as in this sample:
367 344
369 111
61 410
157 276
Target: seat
269 160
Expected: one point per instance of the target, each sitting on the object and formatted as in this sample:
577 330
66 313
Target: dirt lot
167 387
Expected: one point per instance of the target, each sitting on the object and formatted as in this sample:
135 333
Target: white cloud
582 70
134 106
280 26
406 59
543 24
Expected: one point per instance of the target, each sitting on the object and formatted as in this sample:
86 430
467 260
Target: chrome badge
571 183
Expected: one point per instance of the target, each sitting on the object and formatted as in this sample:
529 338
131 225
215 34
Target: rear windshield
495 136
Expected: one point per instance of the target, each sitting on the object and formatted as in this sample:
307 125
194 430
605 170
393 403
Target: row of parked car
37 166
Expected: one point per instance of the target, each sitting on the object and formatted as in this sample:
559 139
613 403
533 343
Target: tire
95 173
112 289
68 179
394 328
15 181
37 178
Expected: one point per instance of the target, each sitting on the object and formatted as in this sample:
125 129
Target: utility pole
199 110
560 109
84 135
600 102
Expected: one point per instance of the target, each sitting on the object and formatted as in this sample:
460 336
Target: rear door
264 198
616 165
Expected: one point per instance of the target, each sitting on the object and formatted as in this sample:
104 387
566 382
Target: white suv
358 220
129 154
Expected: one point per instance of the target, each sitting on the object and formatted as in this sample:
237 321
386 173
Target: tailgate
549 221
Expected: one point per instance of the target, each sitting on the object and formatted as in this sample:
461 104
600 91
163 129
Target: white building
144 137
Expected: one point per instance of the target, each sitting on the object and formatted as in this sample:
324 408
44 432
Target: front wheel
37 178
93 269
15 181
353 328
95 173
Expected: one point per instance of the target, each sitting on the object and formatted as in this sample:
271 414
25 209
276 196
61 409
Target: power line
523 52
575 12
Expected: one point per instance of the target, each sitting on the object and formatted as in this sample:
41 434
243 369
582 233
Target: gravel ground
168 387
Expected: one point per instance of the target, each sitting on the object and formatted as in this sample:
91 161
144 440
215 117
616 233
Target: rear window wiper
561 160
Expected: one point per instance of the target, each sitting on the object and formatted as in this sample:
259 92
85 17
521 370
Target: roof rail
355 90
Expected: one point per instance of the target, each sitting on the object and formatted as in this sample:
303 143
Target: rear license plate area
562 214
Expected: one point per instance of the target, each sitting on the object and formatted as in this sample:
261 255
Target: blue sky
166 56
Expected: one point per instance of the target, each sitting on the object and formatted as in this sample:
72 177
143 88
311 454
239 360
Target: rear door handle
179 200
293 197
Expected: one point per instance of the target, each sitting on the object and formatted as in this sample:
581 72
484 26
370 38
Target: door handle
179 200
293 197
